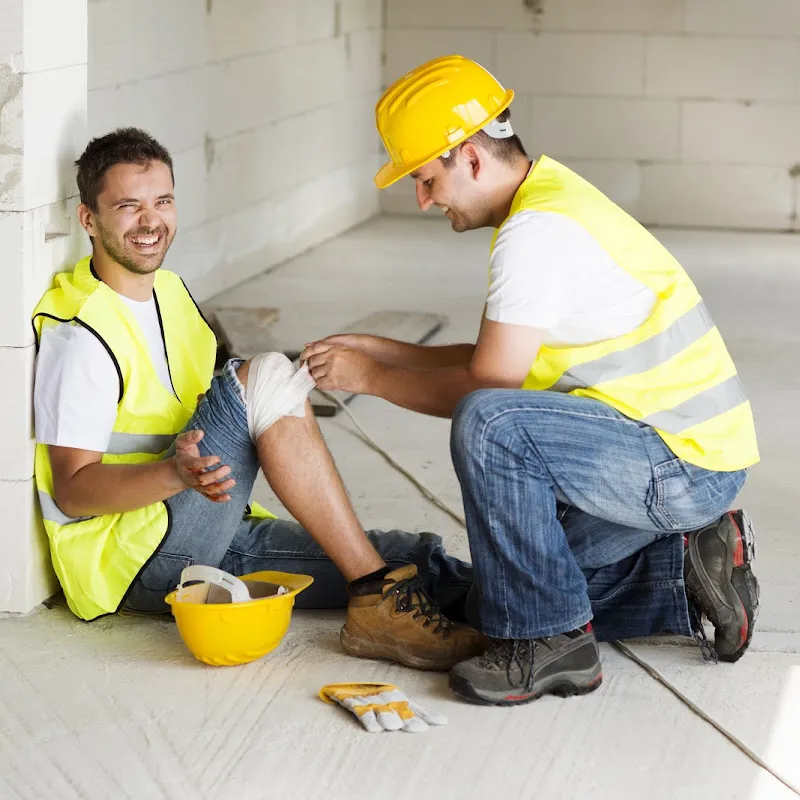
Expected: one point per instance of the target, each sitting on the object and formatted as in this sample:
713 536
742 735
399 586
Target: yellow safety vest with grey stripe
97 559
673 372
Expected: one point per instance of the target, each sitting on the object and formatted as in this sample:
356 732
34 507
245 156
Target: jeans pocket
671 501
163 573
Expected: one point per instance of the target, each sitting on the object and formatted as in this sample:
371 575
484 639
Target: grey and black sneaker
720 582
515 671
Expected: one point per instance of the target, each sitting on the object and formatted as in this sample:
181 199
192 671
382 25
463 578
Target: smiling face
456 189
135 219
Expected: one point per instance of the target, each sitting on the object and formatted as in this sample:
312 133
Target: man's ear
86 218
474 158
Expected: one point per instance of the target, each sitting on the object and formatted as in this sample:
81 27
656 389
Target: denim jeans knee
469 418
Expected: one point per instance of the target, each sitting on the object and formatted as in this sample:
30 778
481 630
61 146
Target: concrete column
43 95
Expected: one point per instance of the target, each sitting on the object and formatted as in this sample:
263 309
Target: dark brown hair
122 146
506 150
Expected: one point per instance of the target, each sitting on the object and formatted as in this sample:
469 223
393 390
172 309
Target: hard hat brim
390 172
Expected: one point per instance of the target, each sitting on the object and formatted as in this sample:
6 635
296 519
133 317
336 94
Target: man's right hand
393 352
194 471
363 342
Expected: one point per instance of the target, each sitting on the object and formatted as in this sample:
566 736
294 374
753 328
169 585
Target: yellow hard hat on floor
225 620
432 109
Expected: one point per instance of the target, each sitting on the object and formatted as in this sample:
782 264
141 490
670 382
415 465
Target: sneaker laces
508 653
411 596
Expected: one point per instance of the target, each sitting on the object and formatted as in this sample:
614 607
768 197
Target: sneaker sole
382 652
562 686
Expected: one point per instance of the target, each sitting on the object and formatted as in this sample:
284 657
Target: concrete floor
119 709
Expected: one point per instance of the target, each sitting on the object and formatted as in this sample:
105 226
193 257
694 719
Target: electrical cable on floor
430 496
734 740
624 649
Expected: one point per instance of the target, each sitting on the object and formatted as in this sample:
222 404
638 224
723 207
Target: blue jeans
573 512
223 535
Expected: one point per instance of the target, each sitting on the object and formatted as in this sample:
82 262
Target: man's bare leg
389 615
299 468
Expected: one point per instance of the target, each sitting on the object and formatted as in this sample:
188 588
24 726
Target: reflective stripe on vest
686 330
126 443
52 513
704 406
651 353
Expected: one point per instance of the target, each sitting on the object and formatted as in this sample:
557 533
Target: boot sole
745 585
562 687
378 652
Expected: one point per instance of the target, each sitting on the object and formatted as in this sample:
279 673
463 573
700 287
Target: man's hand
363 342
334 366
399 354
194 471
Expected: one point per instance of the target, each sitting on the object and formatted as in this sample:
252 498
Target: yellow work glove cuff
381 707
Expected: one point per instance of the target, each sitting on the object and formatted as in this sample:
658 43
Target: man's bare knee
291 424
274 389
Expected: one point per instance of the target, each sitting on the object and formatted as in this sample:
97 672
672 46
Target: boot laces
696 611
411 596
696 619
516 657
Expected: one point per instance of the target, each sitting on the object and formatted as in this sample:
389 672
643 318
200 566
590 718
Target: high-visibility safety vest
673 372
97 559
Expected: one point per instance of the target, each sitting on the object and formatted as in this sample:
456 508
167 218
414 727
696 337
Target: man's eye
164 202
428 182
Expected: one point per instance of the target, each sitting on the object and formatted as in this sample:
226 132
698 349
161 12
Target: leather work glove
381 707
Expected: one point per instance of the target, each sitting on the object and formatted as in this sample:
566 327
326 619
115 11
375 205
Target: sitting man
125 365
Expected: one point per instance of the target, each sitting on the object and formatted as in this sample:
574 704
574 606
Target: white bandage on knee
274 390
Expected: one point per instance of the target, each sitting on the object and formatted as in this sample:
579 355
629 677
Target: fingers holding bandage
334 366
275 389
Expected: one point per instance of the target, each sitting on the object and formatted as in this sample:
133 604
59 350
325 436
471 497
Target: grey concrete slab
119 708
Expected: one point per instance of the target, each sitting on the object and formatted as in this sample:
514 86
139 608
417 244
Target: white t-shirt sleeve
530 271
76 390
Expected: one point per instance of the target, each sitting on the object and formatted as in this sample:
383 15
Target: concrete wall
42 127
266 106
686 112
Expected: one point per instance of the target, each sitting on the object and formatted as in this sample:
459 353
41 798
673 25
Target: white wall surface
266 107
42 128
686 112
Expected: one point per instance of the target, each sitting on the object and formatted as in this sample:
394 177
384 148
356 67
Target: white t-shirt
77 386
549 272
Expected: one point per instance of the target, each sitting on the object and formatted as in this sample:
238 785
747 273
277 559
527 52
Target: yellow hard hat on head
432 109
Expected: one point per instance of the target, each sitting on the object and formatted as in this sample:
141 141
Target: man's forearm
114 488
417 356
434 391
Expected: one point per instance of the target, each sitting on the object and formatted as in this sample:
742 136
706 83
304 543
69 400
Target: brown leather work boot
393 618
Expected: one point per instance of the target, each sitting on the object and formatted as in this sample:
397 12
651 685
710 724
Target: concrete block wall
266 107
686 112
42 128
